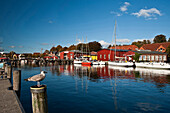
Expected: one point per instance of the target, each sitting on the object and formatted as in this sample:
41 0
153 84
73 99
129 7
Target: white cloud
124 7
20 46
50 22
12 46
123 40
44 44
79 41
116 13
104 44
149 14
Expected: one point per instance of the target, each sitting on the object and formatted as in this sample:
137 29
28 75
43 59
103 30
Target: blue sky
29 25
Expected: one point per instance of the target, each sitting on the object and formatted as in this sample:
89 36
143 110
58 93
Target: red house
109 54
68 55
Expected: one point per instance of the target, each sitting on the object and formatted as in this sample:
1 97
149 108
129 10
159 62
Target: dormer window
160 49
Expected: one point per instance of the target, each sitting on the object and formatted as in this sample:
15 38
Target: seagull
37 78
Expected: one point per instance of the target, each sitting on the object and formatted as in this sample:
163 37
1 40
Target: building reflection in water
105 73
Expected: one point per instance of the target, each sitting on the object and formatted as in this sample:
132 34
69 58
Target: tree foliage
136 57
58 48
53 49
169 40
109 46
159 38
94 46
46 51
140 43
11 54
168 51
72 47
64 49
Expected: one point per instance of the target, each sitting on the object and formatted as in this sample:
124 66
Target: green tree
169 40
72 47
138 44
53 49
11 54
58 48
168 50
46 51
94 46
148 42
136 57
109 46
64 49
159 38
81 47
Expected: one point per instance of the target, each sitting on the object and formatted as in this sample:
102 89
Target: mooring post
39 99
16 80
9 71
6 68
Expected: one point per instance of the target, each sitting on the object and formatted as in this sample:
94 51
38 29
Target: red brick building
109 54
68 55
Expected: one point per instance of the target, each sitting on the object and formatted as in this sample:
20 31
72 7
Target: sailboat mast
115 40
76 47
82 46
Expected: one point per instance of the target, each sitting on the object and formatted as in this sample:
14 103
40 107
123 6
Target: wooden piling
39 99
6 68
9 71
16 80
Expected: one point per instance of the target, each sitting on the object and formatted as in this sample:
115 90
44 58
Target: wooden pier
16 63
9 102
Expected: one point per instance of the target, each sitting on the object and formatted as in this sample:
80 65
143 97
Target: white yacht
153 65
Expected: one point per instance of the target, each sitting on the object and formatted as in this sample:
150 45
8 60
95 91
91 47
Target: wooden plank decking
9 102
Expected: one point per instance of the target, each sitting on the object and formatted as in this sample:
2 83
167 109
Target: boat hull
77 62
154 65
86 63
128 64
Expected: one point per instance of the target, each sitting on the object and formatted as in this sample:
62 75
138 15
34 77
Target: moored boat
123 64
153 65
86 62
77 61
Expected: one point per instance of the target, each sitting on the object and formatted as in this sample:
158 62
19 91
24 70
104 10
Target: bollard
16 80
39 99
6 68
9 71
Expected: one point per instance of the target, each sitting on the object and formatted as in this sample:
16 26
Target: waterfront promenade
9 102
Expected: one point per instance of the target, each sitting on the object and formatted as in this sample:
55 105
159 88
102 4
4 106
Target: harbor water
99 89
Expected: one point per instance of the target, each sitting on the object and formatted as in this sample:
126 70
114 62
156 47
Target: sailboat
86 61
77 60
119 63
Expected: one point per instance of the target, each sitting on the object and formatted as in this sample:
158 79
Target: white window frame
152 57
148 57
160 57
156 57
140 58
164 57
144 57
100 56
109 56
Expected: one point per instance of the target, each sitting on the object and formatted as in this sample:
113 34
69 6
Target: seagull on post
37 78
